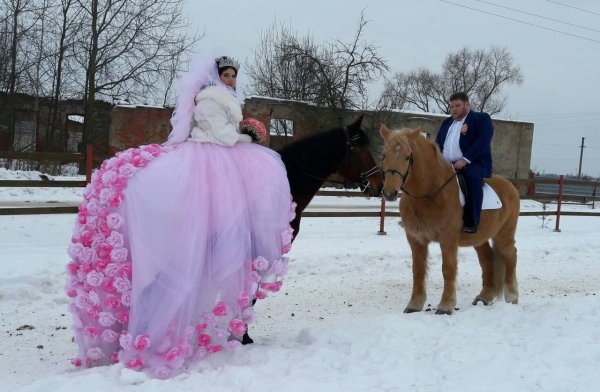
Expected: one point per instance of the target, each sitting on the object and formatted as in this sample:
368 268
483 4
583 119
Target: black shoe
470 228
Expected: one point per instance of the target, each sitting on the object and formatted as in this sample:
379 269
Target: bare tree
336 74
126 45
479 73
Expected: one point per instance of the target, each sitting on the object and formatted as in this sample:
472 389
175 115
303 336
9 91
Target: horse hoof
246 339
446 312
410 310
476 301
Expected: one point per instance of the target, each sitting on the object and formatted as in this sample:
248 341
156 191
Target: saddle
491 201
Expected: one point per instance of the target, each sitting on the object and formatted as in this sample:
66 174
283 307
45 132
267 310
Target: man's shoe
470 228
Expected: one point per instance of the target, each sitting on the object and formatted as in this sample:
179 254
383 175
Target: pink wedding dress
170 247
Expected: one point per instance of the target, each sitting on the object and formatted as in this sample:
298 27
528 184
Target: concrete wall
511 146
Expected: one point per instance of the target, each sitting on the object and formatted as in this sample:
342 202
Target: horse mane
406 138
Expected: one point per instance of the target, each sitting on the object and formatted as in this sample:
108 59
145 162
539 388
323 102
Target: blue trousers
472 209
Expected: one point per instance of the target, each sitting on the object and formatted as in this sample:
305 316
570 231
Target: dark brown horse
310 161
431 211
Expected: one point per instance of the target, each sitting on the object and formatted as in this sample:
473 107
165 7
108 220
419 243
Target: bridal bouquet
254 128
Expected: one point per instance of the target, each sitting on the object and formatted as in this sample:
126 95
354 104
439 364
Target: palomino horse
430 210
310 161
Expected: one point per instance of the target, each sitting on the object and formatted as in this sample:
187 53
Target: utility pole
581 156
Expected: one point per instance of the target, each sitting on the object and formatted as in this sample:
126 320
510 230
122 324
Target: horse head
397 159
359 165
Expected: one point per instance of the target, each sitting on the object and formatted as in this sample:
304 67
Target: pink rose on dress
200 353
112 301
108 285
204 339
104 230
92 207
272 287
86 237
114 357
280 267
210 320
237 327
125 340
162 372
261 295
126 298
123 317
94 353
73 267
94 298
114 221
118 255
103 252
124 270
260 263
214 348
92 332
108 176
286 240
119 184
127 170
111 269
135 364
173 354
122 284
142 342
76 362
244 300
221 334
98 239
115 239
106 319
220 309
109 336
75 251
292 211
83 301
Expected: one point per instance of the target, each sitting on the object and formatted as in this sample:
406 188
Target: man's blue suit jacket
475 144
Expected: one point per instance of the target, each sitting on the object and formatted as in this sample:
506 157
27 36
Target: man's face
459 109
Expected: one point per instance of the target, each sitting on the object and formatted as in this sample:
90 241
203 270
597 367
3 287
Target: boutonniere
464 129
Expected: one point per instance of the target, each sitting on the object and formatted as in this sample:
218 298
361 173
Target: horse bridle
364 175
405 176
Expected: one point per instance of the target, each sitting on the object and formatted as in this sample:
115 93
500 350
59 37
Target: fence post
89 161
559 202
531 184
382 217
594 197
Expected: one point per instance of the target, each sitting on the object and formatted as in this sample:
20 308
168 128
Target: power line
538 16
570 6
523 22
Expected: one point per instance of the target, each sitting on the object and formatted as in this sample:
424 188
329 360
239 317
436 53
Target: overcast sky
560 94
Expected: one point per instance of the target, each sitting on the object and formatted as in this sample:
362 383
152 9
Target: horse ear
384 131
355 126
419 129
414 133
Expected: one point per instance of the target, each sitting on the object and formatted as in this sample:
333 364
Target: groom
465 140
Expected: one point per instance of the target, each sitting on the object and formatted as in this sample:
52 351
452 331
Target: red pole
382 217
559 202
89 161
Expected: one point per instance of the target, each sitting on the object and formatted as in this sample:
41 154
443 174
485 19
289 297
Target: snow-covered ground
337 324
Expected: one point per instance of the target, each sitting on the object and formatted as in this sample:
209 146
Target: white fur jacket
217 117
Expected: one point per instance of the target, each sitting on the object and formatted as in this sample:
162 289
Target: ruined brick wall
133 126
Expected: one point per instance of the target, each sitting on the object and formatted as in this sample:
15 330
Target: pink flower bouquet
254 128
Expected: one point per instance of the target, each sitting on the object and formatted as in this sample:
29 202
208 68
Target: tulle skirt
170 248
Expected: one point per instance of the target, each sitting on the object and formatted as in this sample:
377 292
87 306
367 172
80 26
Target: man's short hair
459 96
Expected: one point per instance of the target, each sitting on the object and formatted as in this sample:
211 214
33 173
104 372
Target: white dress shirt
452 151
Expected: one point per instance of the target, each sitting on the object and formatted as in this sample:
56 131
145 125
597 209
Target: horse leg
449 267
505 252
486 261
419 270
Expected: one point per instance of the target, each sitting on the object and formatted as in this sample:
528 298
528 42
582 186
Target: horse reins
405 176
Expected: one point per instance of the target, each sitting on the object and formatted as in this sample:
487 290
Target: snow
337 324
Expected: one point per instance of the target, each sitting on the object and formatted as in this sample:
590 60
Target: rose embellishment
464 129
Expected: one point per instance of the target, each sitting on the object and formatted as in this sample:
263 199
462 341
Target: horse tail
499 272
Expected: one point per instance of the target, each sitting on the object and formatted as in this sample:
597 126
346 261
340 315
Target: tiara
225 61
